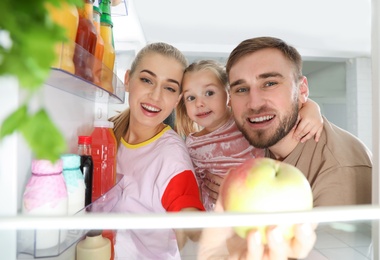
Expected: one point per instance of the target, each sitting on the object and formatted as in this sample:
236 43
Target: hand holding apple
266 185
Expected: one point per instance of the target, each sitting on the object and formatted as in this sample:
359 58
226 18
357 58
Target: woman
159 176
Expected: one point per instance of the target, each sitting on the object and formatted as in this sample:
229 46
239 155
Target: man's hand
224 243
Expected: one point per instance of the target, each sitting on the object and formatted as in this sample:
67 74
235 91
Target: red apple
266 185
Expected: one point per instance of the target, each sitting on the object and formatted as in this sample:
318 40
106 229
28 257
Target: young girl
214 142
159 175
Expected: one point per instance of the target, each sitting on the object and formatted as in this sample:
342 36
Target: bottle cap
97 9
106 19
94 233
84 139
70 161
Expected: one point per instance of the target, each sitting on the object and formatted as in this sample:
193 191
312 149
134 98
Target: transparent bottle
104 156
109 54
99 50
67 17
86 165
86 42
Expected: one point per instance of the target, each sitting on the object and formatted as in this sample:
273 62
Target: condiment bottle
109 50
103 153
74 182
46 195
86 42
99 50
94 247
66 15
86 165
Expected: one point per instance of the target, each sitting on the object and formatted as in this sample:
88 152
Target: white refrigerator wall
73 116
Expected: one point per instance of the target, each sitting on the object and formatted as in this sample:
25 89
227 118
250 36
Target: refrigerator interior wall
72 115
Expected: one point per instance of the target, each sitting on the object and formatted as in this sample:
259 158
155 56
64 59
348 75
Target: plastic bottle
86 42
94 247
66 15
99 50
109 50
74 180
86 165
103 153
46 195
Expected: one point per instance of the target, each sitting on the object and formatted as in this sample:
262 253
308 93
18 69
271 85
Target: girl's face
154 89
206 99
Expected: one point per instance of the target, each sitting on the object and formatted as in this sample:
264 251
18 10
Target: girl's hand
212 184
310 122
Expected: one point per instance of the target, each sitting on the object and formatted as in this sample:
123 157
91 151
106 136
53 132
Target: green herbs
42 136
27 40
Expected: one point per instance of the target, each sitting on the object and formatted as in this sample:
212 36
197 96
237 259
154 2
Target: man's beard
259 139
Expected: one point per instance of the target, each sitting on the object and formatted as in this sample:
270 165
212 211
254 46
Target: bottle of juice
99 50
86 42
103 153
109 50
66 15
86 165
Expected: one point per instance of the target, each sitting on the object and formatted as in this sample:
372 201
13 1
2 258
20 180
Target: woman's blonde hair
121 121
184 125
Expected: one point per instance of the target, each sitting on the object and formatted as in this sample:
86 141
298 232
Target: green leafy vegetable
43 137
14 121
27 40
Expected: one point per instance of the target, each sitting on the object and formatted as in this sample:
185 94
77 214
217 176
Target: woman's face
154 89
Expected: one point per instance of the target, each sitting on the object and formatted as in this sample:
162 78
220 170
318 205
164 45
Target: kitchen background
334 38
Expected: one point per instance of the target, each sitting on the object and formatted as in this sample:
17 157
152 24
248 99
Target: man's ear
303 90
126 80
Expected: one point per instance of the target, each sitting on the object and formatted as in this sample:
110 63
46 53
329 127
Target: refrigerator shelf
92 82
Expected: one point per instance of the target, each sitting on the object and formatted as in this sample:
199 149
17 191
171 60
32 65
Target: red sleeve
182 192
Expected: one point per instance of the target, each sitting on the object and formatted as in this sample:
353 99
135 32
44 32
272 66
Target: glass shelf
78 86
346 232
85 76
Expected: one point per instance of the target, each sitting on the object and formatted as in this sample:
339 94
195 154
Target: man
267 89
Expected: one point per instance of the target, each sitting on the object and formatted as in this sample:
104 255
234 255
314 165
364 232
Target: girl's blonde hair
184 125
121 121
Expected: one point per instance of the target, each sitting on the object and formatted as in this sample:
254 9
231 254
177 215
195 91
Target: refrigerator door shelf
51 243
100 79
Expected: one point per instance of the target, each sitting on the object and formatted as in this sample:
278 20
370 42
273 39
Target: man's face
264 96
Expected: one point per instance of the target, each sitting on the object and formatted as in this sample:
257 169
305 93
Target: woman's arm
183 234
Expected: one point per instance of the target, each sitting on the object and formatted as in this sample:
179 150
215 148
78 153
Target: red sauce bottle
86 39
103 151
